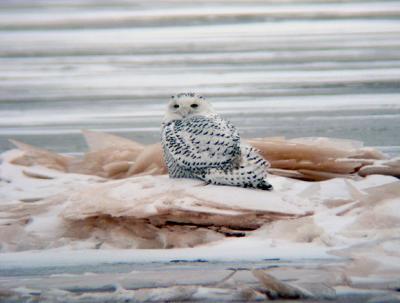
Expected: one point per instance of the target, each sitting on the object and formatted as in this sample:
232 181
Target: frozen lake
290 68
294 68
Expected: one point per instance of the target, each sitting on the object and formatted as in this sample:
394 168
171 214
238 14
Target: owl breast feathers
209 148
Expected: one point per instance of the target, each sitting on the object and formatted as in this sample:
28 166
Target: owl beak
185 112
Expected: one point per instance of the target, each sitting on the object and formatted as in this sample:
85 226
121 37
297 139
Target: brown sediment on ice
39 156
157 212
311 159
144 210
352 218
316 159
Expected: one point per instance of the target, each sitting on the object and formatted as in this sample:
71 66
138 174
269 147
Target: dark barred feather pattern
208 148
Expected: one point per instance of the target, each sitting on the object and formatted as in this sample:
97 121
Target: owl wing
201 142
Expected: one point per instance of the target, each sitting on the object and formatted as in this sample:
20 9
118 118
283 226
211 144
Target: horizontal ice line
335 61
53 130
39 132
279 105
129 81
378 49
203 32
319 39
79 17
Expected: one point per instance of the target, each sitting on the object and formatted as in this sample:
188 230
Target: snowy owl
199 144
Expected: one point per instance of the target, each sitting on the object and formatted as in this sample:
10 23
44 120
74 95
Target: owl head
185 105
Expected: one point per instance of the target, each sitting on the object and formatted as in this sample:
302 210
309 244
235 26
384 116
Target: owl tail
264 185
251 172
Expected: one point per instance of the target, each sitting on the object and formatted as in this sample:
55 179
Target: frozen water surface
293 68
274 68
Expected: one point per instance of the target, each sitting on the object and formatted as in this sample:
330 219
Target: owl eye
176 106
194 105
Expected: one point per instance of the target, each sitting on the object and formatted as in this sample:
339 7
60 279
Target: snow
299 220
248 249
274 68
